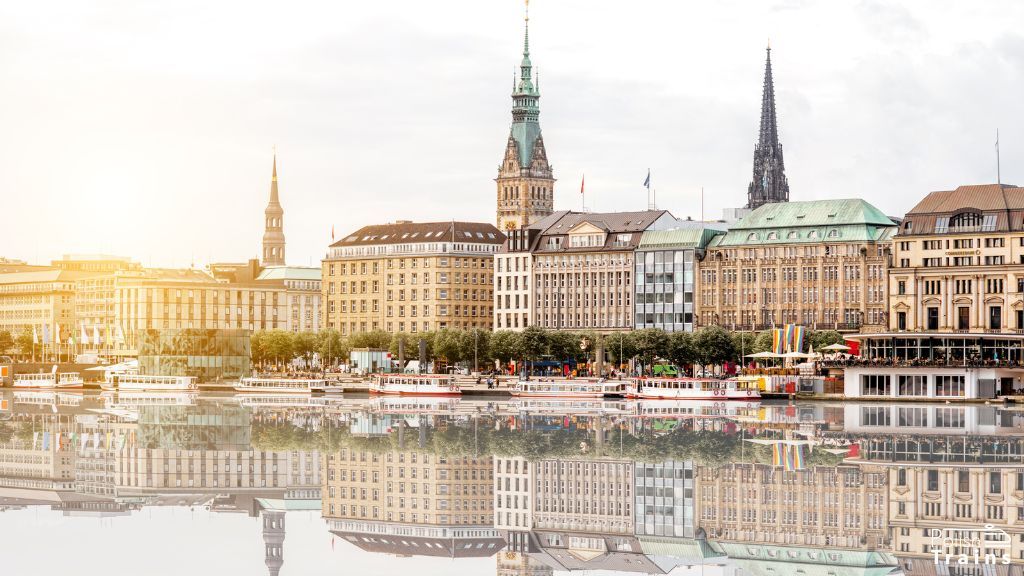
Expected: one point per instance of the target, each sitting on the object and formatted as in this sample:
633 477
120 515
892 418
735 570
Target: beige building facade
958 262
408 487
593 496
822 264
572 270
826 506
411 277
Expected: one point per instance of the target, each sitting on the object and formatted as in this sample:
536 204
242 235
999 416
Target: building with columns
525 186
958 262
819 263
273 234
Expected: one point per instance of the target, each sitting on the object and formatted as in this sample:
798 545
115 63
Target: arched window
773 236
965 219
792 235
812 234
751 237
833 233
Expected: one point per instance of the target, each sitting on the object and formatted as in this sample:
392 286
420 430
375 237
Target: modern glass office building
665 262
205 354
664 499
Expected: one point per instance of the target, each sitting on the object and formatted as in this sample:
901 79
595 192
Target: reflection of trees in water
203 427
466 439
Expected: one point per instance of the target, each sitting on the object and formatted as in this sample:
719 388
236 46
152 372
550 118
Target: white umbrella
764 355
797 355
836 347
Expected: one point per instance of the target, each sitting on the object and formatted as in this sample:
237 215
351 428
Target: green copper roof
678 238
811 221
526 107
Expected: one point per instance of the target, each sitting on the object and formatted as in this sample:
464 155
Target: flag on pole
85 335
120 334
56 334
95 335
35 336
46 333
582 183
332 232
647 181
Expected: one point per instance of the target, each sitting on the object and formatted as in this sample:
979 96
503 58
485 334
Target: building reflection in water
613 486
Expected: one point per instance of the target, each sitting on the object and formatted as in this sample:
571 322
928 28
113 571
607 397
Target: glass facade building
205 354
665 262
664 499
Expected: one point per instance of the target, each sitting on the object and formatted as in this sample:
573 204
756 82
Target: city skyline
163 152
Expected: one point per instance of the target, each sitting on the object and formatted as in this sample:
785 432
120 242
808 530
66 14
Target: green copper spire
525 102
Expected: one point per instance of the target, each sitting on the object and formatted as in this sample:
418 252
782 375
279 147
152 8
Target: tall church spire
525 184
273 229
769 183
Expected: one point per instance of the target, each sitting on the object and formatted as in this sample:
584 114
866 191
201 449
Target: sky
146 129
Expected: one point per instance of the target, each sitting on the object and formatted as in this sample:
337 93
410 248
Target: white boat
415 384
567 406
274 400
47 398
52 380
564 388
126 382
414 405
139 398
691 389
695 408
280 385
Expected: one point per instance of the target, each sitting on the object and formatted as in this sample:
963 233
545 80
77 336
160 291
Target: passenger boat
695 408
567 406
49 381
562 388
691 389
414 405
48 398
280 385
259 400
415 384
139 398
149 383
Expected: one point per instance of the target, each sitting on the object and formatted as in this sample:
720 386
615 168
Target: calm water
168 484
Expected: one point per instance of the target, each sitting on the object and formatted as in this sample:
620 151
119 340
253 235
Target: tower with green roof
525 184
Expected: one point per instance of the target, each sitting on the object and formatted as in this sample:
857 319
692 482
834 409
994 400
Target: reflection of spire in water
273 541
518 564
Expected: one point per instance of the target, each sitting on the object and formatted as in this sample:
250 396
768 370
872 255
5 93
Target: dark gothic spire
769 183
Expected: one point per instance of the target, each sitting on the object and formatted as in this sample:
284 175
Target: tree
330 345
6 341
375 340
474 345
712 345
563 345
506 345
304 345
621 346
446 345
25 342
258 348
280 346
535 342
680 349
650 343
744 343
821 338
763 342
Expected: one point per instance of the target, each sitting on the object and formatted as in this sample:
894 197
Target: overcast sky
146 128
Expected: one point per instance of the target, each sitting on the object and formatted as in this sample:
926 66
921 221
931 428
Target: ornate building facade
769 182
958 262
273 234
820 263
525 185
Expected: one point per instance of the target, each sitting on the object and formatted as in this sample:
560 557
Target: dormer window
833 233
752 237
792 235
773 236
